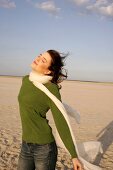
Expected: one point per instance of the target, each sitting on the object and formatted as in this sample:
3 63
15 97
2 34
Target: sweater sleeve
61 123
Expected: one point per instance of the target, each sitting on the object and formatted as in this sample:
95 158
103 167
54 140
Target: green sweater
33 106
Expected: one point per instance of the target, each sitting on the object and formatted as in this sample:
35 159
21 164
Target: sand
93 100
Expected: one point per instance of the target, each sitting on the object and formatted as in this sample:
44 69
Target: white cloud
102 7
80 2
108 11
101 2
48 6
7 4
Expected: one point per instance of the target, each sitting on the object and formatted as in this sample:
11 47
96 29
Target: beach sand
93 100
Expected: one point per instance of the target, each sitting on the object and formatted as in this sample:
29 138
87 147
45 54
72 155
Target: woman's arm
61 123
63 128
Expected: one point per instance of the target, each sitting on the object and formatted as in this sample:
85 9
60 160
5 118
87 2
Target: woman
39 150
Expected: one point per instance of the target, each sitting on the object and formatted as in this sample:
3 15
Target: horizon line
93 81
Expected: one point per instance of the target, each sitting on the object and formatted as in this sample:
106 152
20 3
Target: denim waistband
30 143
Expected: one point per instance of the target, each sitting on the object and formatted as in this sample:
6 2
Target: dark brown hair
56 66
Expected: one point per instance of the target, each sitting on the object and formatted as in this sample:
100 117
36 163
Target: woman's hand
76 164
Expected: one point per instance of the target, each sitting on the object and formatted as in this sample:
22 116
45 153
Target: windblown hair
57 65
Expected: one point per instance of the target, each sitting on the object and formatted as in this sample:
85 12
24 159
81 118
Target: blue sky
84 28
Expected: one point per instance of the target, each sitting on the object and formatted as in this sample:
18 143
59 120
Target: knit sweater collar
38 77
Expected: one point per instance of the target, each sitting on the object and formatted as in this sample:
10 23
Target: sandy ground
94 101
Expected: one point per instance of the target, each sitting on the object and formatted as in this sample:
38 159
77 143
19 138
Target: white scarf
38 80
38 77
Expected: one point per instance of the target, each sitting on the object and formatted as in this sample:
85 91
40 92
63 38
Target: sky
82 28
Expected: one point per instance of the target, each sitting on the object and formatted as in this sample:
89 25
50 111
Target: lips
35 62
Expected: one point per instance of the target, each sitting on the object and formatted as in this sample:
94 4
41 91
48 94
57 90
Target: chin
32 66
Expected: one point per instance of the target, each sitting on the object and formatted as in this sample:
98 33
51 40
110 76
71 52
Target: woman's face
42 63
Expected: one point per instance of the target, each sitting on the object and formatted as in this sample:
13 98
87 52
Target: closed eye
43 59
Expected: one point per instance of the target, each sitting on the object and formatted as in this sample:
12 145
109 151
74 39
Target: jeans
37 157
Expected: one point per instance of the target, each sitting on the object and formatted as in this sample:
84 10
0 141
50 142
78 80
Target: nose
37 59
